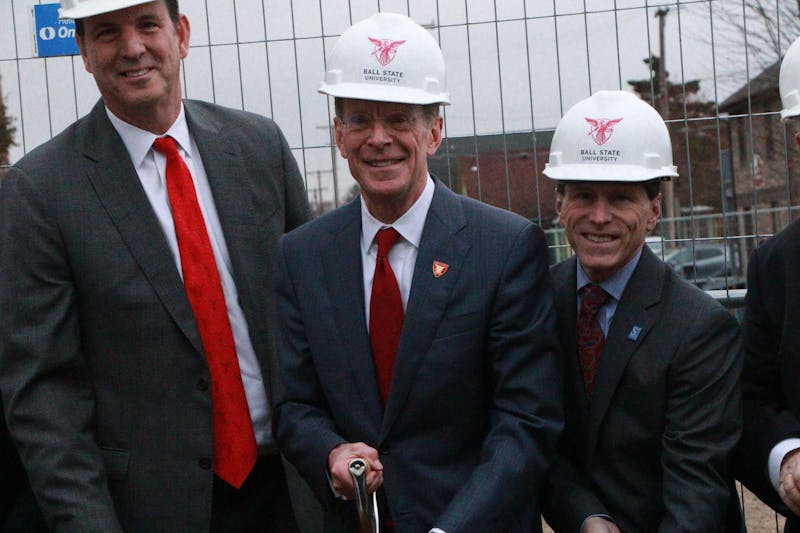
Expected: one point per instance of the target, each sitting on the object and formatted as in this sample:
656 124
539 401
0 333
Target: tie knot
594 297
165 145
386 239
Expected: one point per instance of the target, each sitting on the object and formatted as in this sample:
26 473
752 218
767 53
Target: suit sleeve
767 419
47 394
303 428
702 423
526 416
570 499
296 201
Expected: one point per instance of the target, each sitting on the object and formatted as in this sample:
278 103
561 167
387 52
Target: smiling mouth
135 73
384 162
591 237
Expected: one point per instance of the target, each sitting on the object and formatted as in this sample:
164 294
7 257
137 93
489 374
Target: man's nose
600 212
132 44
379 134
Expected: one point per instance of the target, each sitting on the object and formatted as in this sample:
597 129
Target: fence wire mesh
514 66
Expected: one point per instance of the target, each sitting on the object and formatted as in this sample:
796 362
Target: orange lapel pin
439 269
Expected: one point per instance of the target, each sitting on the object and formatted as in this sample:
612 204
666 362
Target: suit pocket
116 462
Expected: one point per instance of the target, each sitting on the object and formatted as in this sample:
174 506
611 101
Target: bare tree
7 131
763 29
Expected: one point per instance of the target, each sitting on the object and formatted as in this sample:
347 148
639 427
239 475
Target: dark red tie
385 312
590 335
235 450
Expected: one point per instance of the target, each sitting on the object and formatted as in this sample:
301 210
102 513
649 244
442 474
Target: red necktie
590 335
235 451
385 312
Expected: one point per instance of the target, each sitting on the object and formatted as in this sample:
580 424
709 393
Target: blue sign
53 37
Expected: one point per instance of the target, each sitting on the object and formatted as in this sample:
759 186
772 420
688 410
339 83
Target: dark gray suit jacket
101 365
473 412
652 449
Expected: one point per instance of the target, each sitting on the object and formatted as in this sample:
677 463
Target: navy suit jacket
652 448
474 408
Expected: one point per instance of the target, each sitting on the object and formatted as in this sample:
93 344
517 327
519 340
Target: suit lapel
119 190
344 281
632 322
565 283
429 294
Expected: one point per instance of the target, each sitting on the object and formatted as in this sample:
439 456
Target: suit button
202 384
205 463
385 450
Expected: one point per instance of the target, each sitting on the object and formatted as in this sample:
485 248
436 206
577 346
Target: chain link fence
514 66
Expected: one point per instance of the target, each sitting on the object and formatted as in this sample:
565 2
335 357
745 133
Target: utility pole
318 194
669 190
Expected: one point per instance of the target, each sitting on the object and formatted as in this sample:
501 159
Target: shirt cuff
336 494
593 515
775 459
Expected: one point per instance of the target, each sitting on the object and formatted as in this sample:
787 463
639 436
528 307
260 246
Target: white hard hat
78 9
388 58
611 136
789 81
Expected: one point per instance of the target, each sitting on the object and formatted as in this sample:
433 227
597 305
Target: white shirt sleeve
776 456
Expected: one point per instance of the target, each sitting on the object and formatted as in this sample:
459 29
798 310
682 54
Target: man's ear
84 56
437 125
559 203
655 213
339 135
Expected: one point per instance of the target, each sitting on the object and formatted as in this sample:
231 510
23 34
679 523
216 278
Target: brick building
500 170
765 162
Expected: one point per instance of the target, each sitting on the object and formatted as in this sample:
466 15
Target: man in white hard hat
416 326
652 397
136 343
770 449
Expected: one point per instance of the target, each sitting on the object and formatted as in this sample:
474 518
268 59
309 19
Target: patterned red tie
385 312
590 335
235 451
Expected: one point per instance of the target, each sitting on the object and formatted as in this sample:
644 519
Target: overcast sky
516 66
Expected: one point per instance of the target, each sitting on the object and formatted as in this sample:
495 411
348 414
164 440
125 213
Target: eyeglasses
395 122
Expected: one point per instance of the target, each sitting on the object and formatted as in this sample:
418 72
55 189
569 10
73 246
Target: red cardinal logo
602 128
385 49
439 269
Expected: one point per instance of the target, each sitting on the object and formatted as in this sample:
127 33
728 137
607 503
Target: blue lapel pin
633 334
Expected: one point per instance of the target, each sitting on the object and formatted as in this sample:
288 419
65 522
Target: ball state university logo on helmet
385 49
602 128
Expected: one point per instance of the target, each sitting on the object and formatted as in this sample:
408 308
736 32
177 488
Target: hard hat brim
383 93
792 112
90 9
621 173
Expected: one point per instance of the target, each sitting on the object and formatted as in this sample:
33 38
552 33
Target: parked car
656 243
660 248
708 265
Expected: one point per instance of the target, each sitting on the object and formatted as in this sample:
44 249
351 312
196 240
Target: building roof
766 81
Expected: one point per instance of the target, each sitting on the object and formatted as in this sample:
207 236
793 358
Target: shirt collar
409 225
615 283
138 141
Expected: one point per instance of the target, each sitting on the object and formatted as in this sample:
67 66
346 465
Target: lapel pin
439 269
634 333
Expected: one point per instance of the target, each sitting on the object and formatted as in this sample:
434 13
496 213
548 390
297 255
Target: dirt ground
758 517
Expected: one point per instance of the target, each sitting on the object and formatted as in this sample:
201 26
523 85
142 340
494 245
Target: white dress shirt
403 255
775 459
150 166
